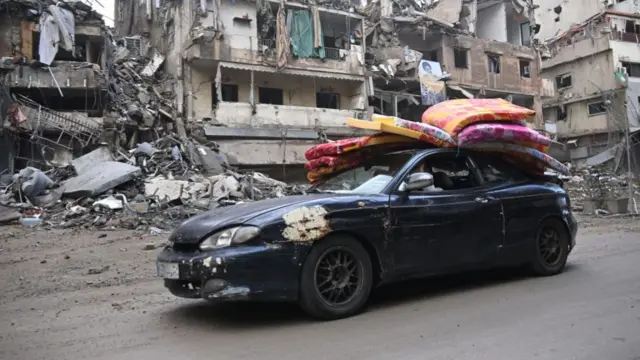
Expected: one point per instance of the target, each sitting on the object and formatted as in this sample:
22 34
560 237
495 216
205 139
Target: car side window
494 170
450 172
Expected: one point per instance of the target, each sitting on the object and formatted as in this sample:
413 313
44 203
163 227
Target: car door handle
482 200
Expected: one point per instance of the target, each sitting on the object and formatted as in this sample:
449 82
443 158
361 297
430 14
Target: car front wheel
336 278
551 248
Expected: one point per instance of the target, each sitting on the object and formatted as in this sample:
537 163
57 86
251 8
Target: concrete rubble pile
156 184
141 100
591 188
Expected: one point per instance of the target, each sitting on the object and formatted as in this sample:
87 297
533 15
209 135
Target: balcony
66 75
206 54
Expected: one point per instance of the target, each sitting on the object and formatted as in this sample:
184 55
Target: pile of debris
156 184
141 99
596 185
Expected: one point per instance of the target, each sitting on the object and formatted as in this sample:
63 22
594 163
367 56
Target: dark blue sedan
402 215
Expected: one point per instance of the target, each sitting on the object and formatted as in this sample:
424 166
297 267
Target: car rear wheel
336 278
551 248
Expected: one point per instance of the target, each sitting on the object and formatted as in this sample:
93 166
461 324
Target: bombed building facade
264 84
52 76
591 56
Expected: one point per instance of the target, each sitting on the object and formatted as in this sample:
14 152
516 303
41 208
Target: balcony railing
333 54
267 44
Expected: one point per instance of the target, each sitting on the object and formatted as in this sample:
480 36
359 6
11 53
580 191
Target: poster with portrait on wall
432 90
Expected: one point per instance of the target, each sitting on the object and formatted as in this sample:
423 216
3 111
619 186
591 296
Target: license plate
168 270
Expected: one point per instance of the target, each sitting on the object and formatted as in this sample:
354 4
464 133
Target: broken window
270 96
431 56
494 63
525 33
597 108
563 81
633 69
525 68
79 52
229 92
561 113
630 26
328 100
460 58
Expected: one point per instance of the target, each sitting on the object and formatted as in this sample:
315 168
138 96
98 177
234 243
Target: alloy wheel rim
550 247
338 277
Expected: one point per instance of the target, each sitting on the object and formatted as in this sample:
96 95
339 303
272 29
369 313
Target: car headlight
234 235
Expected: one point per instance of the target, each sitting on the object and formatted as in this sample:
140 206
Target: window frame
598 113
522 26
472 168
560 77
528 65
513 173
457 52
333 93
498 60
558 111
270 88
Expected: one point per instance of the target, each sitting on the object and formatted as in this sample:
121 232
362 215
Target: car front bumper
265 272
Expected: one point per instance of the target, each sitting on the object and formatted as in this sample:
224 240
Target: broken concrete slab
8 214
86 162
166 190
100 179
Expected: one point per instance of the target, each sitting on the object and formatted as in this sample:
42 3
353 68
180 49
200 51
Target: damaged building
262 96
594 67
475 49
266 79
52 84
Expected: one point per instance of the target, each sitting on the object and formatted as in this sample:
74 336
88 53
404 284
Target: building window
431 56
563 81
633 69
328 100
270 96
494 63
596 108
460 58
229 92
525 33
561 113
525 68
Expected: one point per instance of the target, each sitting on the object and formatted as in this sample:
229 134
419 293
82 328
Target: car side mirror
417 181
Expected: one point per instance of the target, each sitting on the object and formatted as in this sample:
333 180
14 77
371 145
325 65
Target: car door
437 231
522 202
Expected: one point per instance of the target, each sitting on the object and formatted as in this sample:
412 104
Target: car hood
196 228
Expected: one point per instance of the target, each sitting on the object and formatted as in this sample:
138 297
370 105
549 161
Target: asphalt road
592 311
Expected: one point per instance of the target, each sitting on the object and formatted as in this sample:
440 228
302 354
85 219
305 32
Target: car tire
551 248
319 284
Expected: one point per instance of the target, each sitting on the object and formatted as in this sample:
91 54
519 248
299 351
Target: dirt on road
58 287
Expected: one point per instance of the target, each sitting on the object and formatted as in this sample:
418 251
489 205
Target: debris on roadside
155 185
593 190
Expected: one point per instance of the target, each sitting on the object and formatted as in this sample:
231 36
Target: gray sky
106 9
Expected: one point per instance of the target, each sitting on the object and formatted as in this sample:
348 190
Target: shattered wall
132 17
555 17
10 39
492 22
589 75
240 22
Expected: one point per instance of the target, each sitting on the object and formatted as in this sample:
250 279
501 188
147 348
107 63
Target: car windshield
370 178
